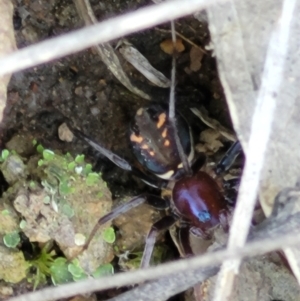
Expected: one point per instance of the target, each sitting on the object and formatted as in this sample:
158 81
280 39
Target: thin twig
257 147
100 33
262 246
172 117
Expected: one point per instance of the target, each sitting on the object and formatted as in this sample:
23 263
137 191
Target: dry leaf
167 46
136 59
196 56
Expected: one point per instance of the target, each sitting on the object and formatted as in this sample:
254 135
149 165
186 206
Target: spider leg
165 223
199 161
113 214
118 161
229 158
184 240
153 200
231 188
122 163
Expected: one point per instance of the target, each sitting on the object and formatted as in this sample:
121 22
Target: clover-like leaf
67 210
79 159
76 270
104 270
40 149
48 154
4 154
71 165
109 235
92 179
12 239
59 271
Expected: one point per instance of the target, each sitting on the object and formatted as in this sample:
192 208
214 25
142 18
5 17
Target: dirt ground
80 87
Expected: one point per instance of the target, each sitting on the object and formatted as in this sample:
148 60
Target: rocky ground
80 89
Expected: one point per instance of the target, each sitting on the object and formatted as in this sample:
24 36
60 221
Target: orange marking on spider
161 120
167 143
164 133
144 146
139 112
135 138
152 153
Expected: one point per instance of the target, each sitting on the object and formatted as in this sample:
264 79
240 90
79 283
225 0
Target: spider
162 142
194 197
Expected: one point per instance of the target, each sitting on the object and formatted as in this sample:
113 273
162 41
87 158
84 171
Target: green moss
13 267
57 183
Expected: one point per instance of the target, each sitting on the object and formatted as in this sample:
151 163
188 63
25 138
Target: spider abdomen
153 141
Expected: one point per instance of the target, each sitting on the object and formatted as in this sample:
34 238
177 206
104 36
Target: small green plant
72 165
48 155
132 260
47 267
79 159
40 149
40 162
61 176
109 235
4 154
12 239
22 224
92 179
104 270
42 266
60 270
5 212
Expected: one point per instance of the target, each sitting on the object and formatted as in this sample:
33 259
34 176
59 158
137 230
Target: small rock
78 91
196 56
30 34
95 111
102 83
13 169
13 267
64 133
5 291
21 144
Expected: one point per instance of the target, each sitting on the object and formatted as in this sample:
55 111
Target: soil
79 88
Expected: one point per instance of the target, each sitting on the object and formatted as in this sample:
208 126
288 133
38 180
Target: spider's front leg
152 200
118 161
